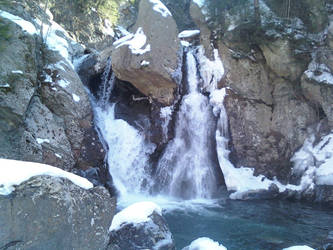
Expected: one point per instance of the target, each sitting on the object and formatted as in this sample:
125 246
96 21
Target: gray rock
280 59
152 73
53 213
42 97
320 94
148 235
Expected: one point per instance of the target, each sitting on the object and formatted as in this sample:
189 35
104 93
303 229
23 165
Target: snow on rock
145 63
200 3
76 98
241 181
188 33
25 25
56 39
17 72
136 213
160 8
41 141
211 71
205 243
135 42
58 155
185 43
63 83
4 85
304 247
319 73
314 162
15 172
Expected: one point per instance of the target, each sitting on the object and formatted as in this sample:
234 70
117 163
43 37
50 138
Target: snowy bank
15 172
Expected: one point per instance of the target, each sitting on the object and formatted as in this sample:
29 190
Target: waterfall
128 152
186 169
108 79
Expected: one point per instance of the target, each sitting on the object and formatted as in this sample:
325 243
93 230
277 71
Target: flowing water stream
186 174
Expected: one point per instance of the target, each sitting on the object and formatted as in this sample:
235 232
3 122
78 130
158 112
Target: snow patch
25 25
135 42
319 73
205 243
314 162
76 98
200 3
4 85
188 33
63 83
185 43
145 63
17 72
211 72
304 247
58 155
136 213
15 172
41 141
160 8
56 39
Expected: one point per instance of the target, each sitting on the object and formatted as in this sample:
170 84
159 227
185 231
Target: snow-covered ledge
14 172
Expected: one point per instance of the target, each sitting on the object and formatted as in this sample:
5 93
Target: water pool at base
252 224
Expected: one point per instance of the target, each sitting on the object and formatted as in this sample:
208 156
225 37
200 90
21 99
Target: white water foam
128 154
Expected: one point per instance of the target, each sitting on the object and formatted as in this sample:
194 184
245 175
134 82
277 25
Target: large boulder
140 226
150 59
53 213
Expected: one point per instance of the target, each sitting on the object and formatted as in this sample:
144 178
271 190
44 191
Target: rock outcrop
269 113
150 59
53 213
45 111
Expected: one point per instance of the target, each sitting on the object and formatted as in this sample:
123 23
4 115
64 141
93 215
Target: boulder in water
47 212
140 226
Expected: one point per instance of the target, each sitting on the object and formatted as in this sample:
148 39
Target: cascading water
128 152
108 79
186 168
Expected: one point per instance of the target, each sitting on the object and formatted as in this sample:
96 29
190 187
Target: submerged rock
140 226
53 213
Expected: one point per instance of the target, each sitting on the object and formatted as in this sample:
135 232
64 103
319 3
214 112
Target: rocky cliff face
45 111
279 79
